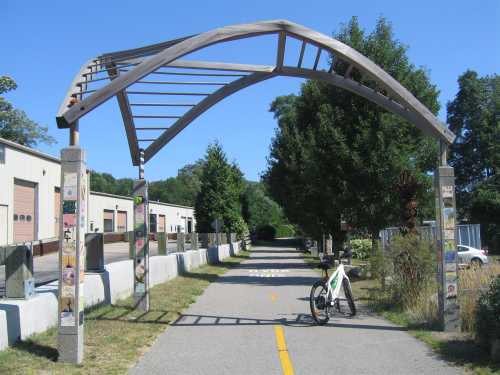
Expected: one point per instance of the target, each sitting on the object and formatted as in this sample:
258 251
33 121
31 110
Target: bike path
255 320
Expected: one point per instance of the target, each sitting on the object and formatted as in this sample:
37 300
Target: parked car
471 255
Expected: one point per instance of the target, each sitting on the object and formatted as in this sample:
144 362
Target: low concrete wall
20 319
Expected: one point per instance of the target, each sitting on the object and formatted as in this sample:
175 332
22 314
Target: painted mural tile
67 312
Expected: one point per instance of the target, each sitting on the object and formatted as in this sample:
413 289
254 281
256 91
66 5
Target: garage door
121 221
24 211
4 227
161 224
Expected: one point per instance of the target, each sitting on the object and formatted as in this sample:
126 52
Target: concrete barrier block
162 269
121 281
26 317
96 289
172 270
4 337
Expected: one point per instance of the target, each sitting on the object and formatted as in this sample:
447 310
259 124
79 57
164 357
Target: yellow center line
286 364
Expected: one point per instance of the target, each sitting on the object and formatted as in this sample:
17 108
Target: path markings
267 273
286 364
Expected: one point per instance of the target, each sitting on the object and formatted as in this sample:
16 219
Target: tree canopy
338 156
474 117
15 125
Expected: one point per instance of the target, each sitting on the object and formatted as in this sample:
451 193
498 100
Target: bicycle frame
334 282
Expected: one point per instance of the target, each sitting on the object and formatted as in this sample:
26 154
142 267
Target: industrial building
30 201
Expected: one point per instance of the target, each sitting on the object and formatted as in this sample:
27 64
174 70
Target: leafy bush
240 228
361 248
488 313
285 230
266 232
412 268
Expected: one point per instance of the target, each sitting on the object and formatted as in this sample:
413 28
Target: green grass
115 335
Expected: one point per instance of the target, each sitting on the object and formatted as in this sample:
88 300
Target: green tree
15 125
338 156
181 189
474 117
106 183
259 210
219 196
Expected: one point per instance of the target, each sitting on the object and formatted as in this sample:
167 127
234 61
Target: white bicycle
325 297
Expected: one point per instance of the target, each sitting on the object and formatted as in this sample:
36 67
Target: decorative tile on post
446 249
72 254
141 245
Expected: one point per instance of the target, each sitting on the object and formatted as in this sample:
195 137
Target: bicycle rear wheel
348 295
318 302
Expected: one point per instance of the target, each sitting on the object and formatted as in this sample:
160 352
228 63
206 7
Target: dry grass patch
472 282
115 335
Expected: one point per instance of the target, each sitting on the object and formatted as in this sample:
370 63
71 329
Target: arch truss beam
191 87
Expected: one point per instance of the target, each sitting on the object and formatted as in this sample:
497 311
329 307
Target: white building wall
26 164
45 171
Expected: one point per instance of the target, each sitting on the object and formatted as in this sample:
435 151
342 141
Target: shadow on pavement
301 320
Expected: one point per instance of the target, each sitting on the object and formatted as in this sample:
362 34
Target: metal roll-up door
121 221
24 211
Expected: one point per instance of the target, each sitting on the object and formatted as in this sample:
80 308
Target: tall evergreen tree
220 192
474 116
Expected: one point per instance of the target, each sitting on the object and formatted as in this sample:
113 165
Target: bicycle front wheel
348 296
318 301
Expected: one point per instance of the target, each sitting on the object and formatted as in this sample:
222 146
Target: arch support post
72 230
446 243
141 239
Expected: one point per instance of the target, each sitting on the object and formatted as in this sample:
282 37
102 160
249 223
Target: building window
2 154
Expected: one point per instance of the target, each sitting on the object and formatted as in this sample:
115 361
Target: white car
471 255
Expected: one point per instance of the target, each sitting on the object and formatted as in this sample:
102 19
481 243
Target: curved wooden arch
398 100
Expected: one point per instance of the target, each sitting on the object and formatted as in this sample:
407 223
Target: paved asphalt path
232 329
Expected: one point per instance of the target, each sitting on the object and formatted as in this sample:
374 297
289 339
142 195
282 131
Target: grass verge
115 335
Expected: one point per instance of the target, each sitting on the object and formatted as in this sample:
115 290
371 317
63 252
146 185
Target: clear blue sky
45 42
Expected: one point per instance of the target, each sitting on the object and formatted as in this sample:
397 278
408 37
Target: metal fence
465 234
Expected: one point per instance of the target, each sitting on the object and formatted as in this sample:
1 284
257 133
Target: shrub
361 248
412 269
266 232
488 313
285 230
471 282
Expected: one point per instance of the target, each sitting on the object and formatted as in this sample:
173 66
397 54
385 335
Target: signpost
141 240
447 250
72 254
216 224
